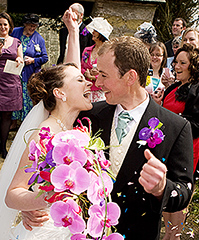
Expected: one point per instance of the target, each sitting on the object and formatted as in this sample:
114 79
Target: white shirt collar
136 113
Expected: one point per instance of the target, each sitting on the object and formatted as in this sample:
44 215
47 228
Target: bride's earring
64 99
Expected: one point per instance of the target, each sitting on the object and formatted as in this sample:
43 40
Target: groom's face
110 80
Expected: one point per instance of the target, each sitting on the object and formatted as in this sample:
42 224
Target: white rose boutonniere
37 48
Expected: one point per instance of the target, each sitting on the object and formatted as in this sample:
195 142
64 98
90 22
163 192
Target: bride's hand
34 219
70 20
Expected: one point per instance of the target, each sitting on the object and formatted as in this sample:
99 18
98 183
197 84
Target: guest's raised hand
153 175
158 95
70 20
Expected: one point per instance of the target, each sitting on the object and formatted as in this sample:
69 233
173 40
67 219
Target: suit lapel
134 159
105 117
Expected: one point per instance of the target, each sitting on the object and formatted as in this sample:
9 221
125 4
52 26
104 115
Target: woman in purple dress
10 84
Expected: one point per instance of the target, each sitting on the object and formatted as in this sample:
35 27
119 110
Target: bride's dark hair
40 85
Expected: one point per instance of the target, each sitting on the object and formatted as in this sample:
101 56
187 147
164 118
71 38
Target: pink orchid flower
66 153
113 236
104 163
71 177
95 191
34 151
66 214
63 137
97 218
45 133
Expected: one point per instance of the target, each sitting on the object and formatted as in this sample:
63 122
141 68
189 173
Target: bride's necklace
59 122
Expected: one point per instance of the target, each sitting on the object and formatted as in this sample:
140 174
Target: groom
149 180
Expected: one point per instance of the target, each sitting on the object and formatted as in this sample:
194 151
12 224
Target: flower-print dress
34 47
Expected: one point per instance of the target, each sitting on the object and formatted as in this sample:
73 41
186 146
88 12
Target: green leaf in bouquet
96 143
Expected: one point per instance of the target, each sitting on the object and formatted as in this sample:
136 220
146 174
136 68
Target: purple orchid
49 159
36 169
66 153
152 135
95 191
66 214
96 221
71 177
84 32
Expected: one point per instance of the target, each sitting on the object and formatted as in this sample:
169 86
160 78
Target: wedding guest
175 45
179 25
146 33
191 35
101 30
182 98
10 87
160 79
34 54
84 36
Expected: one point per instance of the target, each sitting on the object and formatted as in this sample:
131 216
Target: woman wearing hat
101 30
35 55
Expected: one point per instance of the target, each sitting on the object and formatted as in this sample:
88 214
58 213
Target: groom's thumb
148 155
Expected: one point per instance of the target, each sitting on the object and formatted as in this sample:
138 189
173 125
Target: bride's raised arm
70 20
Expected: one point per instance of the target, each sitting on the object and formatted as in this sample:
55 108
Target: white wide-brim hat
100 25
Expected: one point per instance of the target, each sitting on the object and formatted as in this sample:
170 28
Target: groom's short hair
130 53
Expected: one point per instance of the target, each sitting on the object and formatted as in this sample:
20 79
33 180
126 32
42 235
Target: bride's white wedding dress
47 232
7 216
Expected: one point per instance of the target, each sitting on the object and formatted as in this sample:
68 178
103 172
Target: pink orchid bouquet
71 168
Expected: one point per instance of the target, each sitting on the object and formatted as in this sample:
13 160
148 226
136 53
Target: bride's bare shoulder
48 123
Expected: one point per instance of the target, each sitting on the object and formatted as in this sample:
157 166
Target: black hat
31 18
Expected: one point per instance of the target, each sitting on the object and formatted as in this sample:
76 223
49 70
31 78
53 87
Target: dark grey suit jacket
140 211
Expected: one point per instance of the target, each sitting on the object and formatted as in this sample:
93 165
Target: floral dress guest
10 84
35 55
100 29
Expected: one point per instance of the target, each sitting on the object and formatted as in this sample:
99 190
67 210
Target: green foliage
167 12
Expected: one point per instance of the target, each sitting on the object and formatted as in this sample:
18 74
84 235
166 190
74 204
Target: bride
62 91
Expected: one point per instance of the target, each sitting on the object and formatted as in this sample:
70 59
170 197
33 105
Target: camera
2 40
150 72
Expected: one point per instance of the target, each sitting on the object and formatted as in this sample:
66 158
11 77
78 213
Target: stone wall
51 40
125 17
3 5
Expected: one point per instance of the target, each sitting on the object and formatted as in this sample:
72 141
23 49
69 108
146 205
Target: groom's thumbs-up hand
153 175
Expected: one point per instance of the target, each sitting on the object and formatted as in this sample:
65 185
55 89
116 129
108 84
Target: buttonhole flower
73 178
85 57
84 32
66 214
97 218
152 135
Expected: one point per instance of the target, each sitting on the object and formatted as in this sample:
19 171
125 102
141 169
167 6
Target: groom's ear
58 93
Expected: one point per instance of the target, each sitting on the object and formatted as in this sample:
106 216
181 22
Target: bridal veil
35 117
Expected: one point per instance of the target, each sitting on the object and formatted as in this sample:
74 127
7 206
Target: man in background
84 36
178 26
